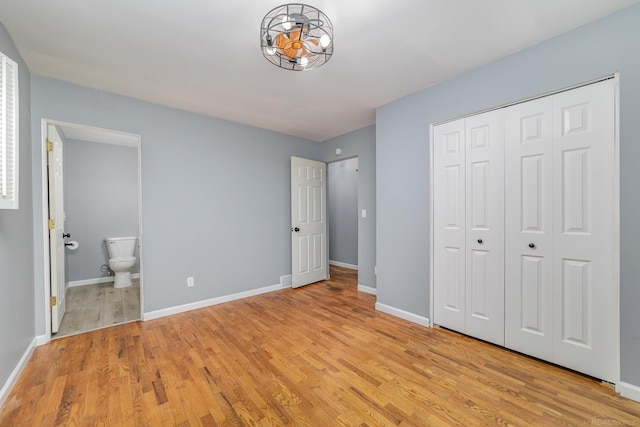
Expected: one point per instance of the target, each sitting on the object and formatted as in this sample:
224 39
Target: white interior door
449 248
485 226
585 297
308 221
56 227
528 227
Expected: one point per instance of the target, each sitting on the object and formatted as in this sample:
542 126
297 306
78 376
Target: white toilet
121 258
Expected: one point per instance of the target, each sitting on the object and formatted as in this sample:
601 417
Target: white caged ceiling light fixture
296 37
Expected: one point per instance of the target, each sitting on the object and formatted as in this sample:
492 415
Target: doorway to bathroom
93 189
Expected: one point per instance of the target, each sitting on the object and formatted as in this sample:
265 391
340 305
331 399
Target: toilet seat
122 259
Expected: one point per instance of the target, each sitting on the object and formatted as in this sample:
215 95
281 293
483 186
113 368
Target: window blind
8 133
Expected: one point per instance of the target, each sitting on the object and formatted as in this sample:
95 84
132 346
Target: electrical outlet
190 282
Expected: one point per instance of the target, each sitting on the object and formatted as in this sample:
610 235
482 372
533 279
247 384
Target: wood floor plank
320 355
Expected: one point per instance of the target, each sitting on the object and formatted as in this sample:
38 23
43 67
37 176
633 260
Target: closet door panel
485 226
449 225
585 296
528 227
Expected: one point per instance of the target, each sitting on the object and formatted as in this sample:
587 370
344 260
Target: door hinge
53 301
49 146
52 224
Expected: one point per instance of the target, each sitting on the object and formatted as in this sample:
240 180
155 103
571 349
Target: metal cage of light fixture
296 37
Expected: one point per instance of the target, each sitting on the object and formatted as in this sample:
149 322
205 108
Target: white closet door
449 225
585 295
485 226
528 227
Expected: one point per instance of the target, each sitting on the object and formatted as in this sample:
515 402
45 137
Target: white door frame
616 197
45 212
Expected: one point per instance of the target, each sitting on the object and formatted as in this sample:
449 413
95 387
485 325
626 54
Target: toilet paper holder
72 245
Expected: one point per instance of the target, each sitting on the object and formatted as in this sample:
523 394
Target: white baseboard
41 340
424 321
209 302
629 391
11 381
96 281
343 264
285 281
367 289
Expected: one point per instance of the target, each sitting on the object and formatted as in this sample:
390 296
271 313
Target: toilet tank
121 246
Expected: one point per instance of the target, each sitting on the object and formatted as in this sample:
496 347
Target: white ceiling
203 55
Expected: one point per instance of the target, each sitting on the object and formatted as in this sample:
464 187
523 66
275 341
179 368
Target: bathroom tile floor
97 306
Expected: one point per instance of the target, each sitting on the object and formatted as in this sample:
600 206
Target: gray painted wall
101 200
342 195
16 238
361 143
402 141
215 194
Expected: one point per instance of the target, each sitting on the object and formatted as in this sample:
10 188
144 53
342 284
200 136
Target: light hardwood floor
320 355
96 306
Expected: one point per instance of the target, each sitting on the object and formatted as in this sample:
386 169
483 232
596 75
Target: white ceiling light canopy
296 37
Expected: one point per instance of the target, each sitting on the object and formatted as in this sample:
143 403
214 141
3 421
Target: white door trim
616 219
432 303
531 98
616 226
134 140
46 272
